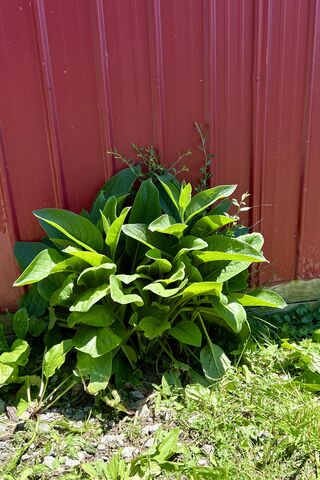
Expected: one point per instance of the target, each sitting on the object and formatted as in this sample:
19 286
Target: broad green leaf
110 209
184 197
96 341
177 275
188 244
73 226
55 357
153 326
223 270
121 182
260 298
119 296
202 288
168 446
205 199
20 321
25 252
233 313
159 267
95 276
18 354
254 239
168 225
8 373
40 267
91 296
93 258
214 362
71 264
114 231
161 291
97 369
209 224
187 332
171 190
145 209
63 293
97 316
239 282
141 233
228 248
127 279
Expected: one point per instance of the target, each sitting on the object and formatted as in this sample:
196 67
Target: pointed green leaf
63 293
97 316
8 373
168 225
55 357
95 276
40 267
114 231
141 233
206 198
214 362
228 248
20 321
119 296
185 197
73 226
97 369
161 291
209 224
260 298
233 313
187 332
93 258
96 341
202 288
18 354
91 296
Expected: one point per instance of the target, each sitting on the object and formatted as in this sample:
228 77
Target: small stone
207 448
2 445
44 427
48 461
3 428
71 463
110 438
202 462
25 457
101 447
111 423
137 395
128 452
81 456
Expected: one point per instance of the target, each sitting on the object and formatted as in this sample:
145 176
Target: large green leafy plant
150 269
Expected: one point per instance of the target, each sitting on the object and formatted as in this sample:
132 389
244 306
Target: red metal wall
78 76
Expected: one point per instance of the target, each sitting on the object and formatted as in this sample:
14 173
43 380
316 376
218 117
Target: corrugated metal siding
80 76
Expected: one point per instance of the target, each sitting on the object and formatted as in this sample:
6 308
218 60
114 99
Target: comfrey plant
148 271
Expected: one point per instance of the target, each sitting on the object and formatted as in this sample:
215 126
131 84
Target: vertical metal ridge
8 214
210 75
259 110
103 81
51 112
307 125
157 80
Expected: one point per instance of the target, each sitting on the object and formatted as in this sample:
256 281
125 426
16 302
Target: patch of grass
257 423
